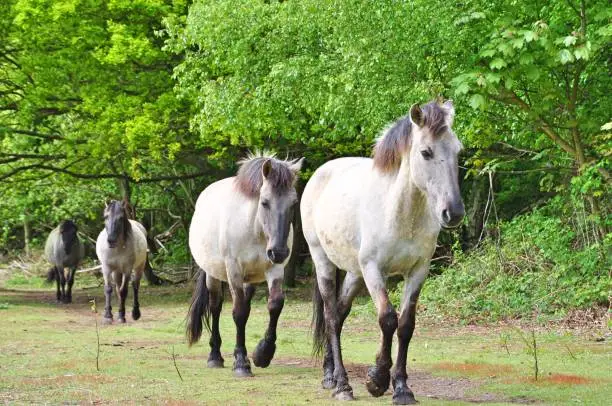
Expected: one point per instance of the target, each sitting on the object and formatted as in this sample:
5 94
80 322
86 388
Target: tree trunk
27 233
126 194
299 245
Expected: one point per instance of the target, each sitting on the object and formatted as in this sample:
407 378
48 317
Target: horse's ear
416 115
450 111
266 168
296 165
106 203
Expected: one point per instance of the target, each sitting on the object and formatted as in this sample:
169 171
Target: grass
48 355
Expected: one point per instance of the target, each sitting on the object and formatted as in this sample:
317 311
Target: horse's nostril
446 215
270 254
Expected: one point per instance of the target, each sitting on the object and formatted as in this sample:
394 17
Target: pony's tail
319 336
199 311
319 331
51 275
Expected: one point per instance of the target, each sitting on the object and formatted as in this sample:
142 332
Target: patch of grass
48 355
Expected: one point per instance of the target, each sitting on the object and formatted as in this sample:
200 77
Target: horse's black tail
199 311
319 333
51 275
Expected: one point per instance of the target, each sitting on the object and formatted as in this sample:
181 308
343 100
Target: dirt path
421 382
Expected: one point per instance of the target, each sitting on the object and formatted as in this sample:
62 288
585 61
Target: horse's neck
406 207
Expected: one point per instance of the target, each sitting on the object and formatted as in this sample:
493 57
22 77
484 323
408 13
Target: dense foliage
150 100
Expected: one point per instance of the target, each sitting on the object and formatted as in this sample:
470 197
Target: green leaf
582 53
488 53
569 40
565 56
526 59
498 63
530 36
463 88
477 101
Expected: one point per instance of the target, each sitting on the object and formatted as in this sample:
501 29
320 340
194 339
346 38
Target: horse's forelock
250 176
396 139
117 211
435 118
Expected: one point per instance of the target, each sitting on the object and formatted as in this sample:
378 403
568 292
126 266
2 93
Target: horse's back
50 251
331 207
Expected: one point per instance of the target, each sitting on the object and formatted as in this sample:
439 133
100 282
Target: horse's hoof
243 372
344 393
377 381
215 363
264 353
121 320
107 320
328 383
404 397
135 313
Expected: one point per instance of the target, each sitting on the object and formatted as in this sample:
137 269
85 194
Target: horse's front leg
57 283
70 281
62 281
402 395
241 296
379 376
264 352
108 292
215 295
122 291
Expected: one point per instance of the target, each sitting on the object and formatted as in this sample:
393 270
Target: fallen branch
95 268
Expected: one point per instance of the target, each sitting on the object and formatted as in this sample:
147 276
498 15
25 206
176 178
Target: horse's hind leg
264 352
136 287
122 291
326 280
350 287
70 283
215 292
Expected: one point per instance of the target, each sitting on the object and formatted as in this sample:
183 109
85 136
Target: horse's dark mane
396 139
250 177
113 207
68 228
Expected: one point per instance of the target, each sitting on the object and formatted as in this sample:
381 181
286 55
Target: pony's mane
68 226
250 177
395 140
112 207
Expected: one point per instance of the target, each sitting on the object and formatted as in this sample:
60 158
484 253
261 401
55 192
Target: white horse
379 217
121 248
240 233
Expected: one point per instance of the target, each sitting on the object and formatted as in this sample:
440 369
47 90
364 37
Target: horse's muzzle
278 255
452 216
112 244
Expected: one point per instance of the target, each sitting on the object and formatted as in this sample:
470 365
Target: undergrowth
539 266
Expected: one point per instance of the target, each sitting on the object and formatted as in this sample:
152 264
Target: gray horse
64 250
121 247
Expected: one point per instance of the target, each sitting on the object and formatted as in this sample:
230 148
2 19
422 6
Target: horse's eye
265 203
427 154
